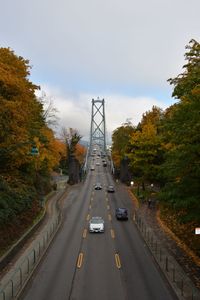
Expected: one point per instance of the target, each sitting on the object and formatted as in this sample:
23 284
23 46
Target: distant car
105 164
97 164
92 168
110 189
98 186
121 213
96 224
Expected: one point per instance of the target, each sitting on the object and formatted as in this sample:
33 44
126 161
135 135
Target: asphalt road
114 265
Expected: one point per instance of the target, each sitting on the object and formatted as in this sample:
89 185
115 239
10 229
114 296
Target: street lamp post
132 183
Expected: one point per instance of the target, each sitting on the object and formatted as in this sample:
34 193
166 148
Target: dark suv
121 213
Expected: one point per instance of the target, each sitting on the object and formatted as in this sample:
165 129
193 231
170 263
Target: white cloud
113 48
109 42
120 108
75 111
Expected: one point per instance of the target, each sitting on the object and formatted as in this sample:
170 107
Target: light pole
132 183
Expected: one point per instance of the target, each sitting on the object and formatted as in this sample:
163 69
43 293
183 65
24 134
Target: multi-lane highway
114 265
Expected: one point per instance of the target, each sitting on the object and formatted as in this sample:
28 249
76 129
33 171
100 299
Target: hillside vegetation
163 150
29 151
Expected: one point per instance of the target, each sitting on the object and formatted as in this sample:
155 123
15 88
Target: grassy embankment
182 232
20 207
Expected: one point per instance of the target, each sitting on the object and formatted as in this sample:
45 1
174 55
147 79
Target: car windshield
122 210
96 221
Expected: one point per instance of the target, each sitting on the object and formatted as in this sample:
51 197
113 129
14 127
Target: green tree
120 141
181 127
145 148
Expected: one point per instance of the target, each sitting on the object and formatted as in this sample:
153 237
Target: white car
96 224
98 186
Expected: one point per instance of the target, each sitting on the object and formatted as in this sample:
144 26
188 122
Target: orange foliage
80 153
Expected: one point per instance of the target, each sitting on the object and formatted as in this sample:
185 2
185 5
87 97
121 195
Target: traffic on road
95 254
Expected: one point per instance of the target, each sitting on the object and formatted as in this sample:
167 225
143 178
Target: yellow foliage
51 150
116 158
80 153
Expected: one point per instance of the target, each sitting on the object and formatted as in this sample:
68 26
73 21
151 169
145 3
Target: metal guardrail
12 288
179 281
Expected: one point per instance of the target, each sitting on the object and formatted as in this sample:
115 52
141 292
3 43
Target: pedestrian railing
19 277
179 281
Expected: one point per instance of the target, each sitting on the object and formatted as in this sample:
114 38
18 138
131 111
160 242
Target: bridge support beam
98 126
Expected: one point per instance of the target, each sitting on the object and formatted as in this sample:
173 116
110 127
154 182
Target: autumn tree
145 148
20 112
49 110
120 140
80 153
24 177
181 133
71 138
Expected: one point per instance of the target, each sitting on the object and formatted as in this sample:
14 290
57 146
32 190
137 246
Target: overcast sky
122 51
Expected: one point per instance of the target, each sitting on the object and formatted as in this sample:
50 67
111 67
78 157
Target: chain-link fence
180 282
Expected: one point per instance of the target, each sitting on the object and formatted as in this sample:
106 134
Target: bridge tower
98 126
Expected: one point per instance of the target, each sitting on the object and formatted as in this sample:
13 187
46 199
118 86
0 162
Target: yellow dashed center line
108 206
84 233
91 199
90 206
117 261
109 217
80 260
112 233
88 217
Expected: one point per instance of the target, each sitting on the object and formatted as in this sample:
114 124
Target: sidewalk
151 217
